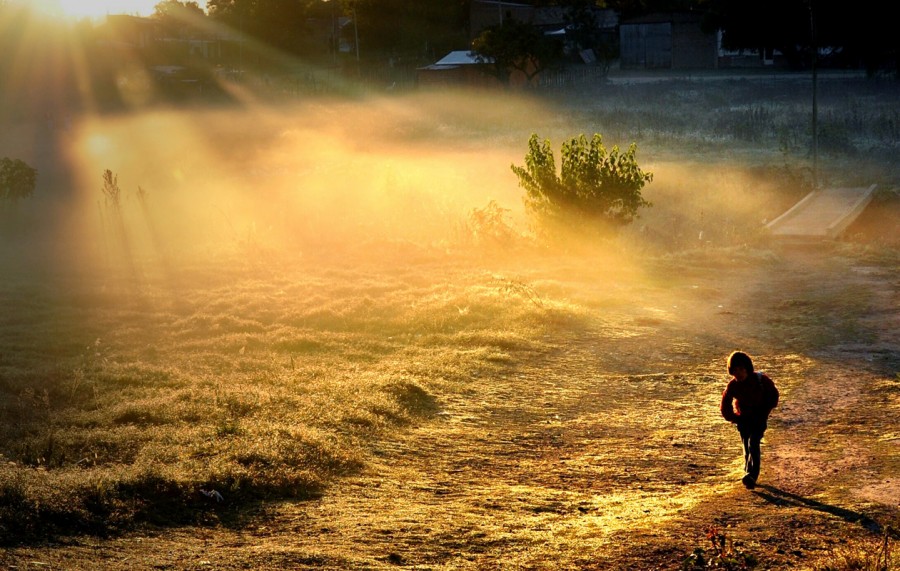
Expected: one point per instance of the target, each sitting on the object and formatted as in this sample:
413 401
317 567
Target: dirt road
606 450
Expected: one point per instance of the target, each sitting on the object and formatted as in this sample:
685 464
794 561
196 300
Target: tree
178 18
516 46
278 23
632 8
597 187
582 29
581 21
177 9
410 28
420 29
17 180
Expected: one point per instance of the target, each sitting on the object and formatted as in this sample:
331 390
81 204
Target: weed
488 226
99 498
412 398
228 427
111 190
722 554
510 288
874 556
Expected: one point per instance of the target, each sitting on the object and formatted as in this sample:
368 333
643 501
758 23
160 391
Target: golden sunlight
98 8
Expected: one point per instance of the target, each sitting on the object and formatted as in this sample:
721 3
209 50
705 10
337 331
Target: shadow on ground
782 498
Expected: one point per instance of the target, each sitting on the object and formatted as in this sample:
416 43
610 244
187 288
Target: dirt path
607 451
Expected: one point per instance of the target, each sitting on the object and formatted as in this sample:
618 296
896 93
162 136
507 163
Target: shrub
599 188
17 180
488 226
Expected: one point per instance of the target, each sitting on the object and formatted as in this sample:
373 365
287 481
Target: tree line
383 28
857 35
854 35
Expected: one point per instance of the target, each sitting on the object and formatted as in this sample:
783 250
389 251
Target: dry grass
254 386
436 401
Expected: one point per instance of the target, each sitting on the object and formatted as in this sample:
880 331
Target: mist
373 175
301 178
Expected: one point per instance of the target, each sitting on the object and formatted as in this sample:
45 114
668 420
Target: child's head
739 359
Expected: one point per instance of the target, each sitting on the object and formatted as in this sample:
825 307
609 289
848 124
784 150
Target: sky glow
98 8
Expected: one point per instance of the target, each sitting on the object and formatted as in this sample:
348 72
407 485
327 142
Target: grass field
291 325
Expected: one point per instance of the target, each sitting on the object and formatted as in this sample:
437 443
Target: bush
17 180
488 226
594 187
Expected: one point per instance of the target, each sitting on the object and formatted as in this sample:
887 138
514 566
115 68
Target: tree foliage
278 23
385 27
599 187
581 21
17 180
178 18
427 28
422 28
632 8
516 46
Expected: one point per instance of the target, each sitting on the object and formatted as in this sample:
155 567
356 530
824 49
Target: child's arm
772 391
727 406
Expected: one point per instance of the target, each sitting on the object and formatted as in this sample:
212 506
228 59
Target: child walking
747 401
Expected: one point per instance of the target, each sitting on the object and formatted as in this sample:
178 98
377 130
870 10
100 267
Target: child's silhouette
747 401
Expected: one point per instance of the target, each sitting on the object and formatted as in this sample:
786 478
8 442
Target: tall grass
876 555
127 407
756 118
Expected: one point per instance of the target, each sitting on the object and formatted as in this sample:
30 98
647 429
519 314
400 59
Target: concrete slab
824 213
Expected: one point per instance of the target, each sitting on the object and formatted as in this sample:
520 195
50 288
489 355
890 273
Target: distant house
486 13
129 32
748 57
549 19
334 34
145 36
460 68
667 41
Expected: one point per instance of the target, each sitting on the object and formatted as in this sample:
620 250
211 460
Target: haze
97 8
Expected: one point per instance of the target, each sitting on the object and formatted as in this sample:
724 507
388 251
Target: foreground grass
186 401
155 404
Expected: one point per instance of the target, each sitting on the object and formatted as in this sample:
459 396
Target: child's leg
752 438
744 447
752 448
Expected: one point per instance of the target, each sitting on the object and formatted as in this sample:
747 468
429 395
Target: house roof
460 57
457 59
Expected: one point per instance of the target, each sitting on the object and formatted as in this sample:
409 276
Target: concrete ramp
822 213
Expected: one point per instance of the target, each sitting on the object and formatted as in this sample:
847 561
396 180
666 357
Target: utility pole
815 90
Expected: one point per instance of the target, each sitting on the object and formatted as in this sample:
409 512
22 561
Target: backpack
769 392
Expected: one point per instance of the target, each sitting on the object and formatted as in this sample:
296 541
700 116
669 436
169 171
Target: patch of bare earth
606 450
